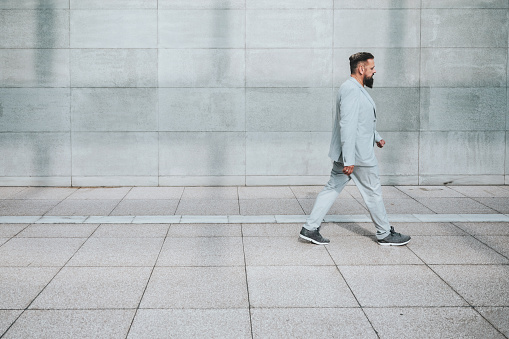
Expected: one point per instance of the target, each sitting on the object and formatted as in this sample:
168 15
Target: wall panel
242 92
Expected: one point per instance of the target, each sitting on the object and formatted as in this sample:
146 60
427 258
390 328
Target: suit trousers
367 180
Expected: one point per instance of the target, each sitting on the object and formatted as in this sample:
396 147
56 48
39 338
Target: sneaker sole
313 241
393 243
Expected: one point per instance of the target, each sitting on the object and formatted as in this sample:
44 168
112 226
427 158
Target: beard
369 82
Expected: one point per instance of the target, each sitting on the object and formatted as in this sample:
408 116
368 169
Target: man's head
362 65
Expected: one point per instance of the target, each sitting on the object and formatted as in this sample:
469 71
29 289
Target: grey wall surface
241 92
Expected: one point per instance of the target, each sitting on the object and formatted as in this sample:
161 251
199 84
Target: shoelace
393 232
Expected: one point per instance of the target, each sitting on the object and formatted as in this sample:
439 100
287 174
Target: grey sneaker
394 239
314 236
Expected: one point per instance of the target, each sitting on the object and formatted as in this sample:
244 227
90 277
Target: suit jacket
354 132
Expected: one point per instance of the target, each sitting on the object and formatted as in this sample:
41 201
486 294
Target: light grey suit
353 138
354 133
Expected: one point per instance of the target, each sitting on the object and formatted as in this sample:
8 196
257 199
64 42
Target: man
352 150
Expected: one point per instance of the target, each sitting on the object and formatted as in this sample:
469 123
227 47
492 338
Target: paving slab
498 243
57 231
44 193
355 250
84 207
20 285
7 192
205 230
454 250
340 206
146 207
202 251
310 192
330 229
282 251
480 285
208 207
94 288
100 193
497 316
273 192
429 192
298 286
271 230
10 230
482 191
72 324
501 205
131 231
455 205
200 323
26 207
428 228
196 288
39 251
7 318
210 193
430 322
388 192
485 228
311 323
117 252
398 286
156 193
270 207
405 206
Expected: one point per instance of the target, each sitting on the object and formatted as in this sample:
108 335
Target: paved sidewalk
226 262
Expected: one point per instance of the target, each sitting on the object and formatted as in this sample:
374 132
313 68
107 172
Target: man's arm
349 116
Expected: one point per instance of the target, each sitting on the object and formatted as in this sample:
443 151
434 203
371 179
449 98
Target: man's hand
348 170
381 143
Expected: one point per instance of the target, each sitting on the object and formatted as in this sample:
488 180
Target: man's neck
359 78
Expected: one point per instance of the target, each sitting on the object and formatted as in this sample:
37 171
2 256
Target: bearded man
352 150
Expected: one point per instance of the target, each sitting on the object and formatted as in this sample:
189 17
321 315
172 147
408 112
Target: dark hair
359 57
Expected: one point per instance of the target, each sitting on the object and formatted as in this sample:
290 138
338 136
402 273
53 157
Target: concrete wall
241 92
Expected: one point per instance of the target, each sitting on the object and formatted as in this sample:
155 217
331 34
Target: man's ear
361 69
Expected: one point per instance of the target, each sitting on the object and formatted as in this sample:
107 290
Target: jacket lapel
363 90
369 98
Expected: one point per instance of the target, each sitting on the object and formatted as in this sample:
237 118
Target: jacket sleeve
349 116
378 137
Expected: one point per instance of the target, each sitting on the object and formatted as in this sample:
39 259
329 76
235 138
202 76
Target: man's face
369 71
